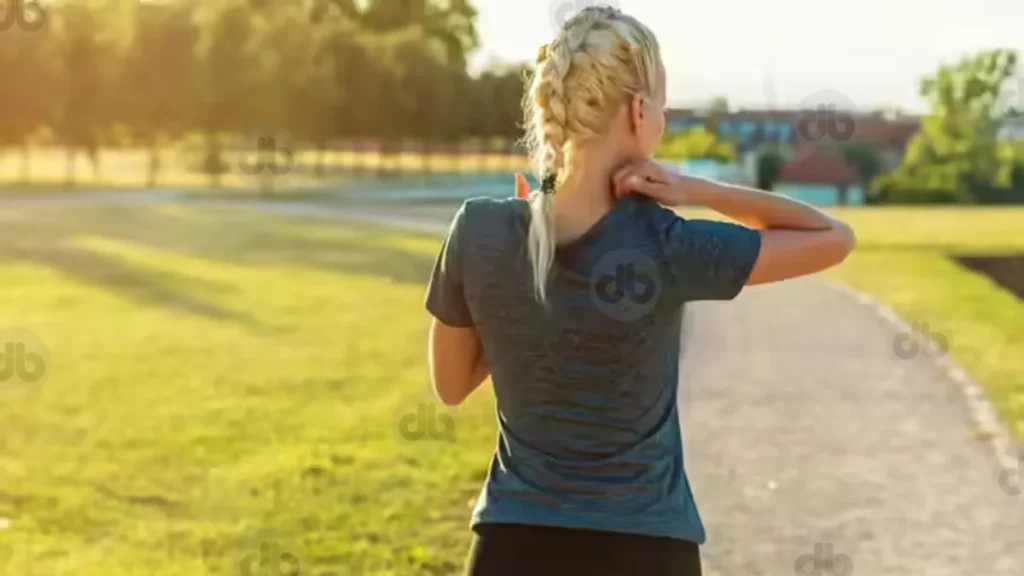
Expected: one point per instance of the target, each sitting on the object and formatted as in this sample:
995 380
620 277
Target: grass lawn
217 381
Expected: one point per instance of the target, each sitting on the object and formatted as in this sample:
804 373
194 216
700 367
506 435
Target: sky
781 53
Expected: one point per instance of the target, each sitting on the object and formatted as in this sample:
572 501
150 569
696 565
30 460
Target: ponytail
542 235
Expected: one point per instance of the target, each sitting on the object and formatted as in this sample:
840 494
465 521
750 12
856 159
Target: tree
357 73
864 158
326 10
298 85
453 23
770 161
719 105
321 70
228 68
156 77
28 68
697 143
426 75
88 56
956 156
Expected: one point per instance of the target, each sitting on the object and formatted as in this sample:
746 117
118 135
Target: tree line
959 156
149 73
130 73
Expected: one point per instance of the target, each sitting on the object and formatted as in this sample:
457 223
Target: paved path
804 430
803 427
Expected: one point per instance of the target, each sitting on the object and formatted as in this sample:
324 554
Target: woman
571 301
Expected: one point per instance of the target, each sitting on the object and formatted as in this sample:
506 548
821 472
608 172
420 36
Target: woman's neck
584 197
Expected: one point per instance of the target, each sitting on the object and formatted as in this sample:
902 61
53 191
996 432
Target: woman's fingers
619 181
644 185
622 179
629 184
634 183
522 187
644 177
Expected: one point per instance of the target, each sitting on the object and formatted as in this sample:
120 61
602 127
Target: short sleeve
710 260
446 297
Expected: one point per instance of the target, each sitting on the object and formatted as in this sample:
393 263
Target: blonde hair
598 61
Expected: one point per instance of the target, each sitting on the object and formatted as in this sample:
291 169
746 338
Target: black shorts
524 550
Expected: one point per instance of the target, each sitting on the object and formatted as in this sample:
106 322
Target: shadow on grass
46 237
39 240
255 239
170 290
342 256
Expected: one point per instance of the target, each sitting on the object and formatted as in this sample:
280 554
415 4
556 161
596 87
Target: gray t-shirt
586 383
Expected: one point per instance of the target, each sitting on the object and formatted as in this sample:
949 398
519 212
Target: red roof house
819 167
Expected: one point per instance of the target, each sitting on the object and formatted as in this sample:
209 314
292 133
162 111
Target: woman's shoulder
648 213
489 214
490 206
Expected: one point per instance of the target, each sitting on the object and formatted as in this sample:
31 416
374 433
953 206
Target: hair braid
554 105
579 77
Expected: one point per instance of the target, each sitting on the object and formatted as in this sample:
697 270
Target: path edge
980 409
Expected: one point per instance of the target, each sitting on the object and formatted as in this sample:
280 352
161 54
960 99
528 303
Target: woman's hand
522 187
652 179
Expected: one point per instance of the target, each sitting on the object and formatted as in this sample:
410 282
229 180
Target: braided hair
599 56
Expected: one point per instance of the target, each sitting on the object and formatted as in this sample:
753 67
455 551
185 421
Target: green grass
217 380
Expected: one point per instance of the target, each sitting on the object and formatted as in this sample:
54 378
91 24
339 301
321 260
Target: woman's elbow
450 398
789 254
846 241
451 392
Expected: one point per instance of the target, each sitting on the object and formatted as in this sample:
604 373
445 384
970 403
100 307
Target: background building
814 141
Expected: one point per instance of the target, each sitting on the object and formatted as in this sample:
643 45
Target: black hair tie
547 186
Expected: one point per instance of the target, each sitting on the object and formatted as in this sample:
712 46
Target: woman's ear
637 111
